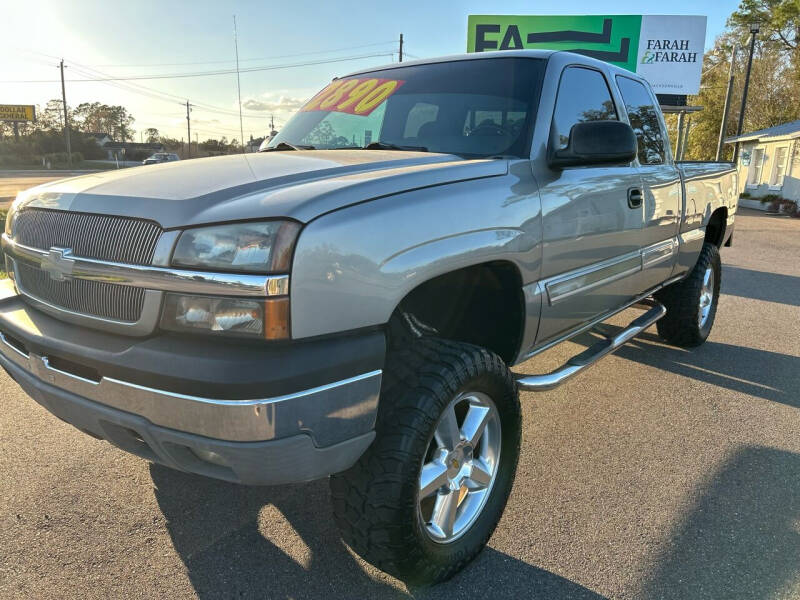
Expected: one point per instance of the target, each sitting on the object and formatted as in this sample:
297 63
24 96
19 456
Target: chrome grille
106 300
118 239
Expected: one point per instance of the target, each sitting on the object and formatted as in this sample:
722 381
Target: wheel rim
706 297
460 467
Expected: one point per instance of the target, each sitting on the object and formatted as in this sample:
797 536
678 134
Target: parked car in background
160 157
350 302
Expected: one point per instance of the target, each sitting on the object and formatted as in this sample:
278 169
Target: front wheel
692 302
425 497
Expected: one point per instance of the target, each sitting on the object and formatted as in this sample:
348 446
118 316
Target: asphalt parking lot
660 473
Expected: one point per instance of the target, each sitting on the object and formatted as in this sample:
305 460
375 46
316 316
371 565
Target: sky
144 38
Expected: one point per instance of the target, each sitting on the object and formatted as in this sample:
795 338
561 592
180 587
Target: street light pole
727 108
754 27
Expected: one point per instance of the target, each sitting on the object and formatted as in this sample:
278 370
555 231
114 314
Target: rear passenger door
591 232
660 180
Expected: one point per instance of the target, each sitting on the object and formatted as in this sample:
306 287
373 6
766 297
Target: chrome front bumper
328 413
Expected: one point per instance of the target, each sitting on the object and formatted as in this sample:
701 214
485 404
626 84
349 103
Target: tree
171 143
212 145
774 95
51 118
151 135
94 117
779 20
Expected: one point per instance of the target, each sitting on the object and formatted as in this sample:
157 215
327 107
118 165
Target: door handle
635 198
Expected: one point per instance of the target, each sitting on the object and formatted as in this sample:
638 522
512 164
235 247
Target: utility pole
401 48
727 108
754 27
66 115
188 132
238 84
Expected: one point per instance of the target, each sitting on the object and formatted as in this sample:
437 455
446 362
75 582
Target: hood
296 184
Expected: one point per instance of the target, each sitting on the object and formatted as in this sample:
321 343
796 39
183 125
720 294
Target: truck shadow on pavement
741 538
760 373
759 285
281 542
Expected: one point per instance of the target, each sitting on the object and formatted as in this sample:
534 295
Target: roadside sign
666 50
17 112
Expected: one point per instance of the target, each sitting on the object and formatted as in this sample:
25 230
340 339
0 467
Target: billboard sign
17 112
664 49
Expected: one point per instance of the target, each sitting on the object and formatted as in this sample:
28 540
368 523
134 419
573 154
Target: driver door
592 217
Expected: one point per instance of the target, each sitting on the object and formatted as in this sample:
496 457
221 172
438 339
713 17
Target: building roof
782 131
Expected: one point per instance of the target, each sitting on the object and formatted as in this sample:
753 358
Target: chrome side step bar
584 360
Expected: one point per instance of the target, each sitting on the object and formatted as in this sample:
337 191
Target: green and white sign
666 50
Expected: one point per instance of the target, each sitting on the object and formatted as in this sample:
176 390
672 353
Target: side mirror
596 143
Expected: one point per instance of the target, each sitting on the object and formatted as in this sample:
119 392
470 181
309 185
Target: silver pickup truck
350 301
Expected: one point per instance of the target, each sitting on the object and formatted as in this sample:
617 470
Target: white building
769 163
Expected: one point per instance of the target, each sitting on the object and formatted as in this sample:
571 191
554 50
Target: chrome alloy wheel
460 466
706 297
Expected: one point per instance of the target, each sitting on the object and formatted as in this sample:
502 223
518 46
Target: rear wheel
425 497
692 302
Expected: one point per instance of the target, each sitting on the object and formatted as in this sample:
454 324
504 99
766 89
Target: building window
756 165
779 166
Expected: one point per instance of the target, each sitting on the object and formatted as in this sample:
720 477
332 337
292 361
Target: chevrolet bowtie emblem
58 264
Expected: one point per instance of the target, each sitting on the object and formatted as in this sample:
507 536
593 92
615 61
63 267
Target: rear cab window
644 118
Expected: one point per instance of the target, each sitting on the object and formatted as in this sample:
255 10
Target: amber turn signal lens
276 318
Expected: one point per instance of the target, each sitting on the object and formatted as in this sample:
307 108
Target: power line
152 93
196 126
208 73
217 62
93 74
148 92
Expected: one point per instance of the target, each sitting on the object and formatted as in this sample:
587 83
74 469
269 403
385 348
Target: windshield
476 108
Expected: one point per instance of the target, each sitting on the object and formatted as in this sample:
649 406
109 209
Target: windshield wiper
385 146
286 146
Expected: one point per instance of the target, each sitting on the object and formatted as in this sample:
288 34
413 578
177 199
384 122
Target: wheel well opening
481 305
715 230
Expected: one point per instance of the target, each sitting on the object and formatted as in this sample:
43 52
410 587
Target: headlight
216 315
259 247
255 247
